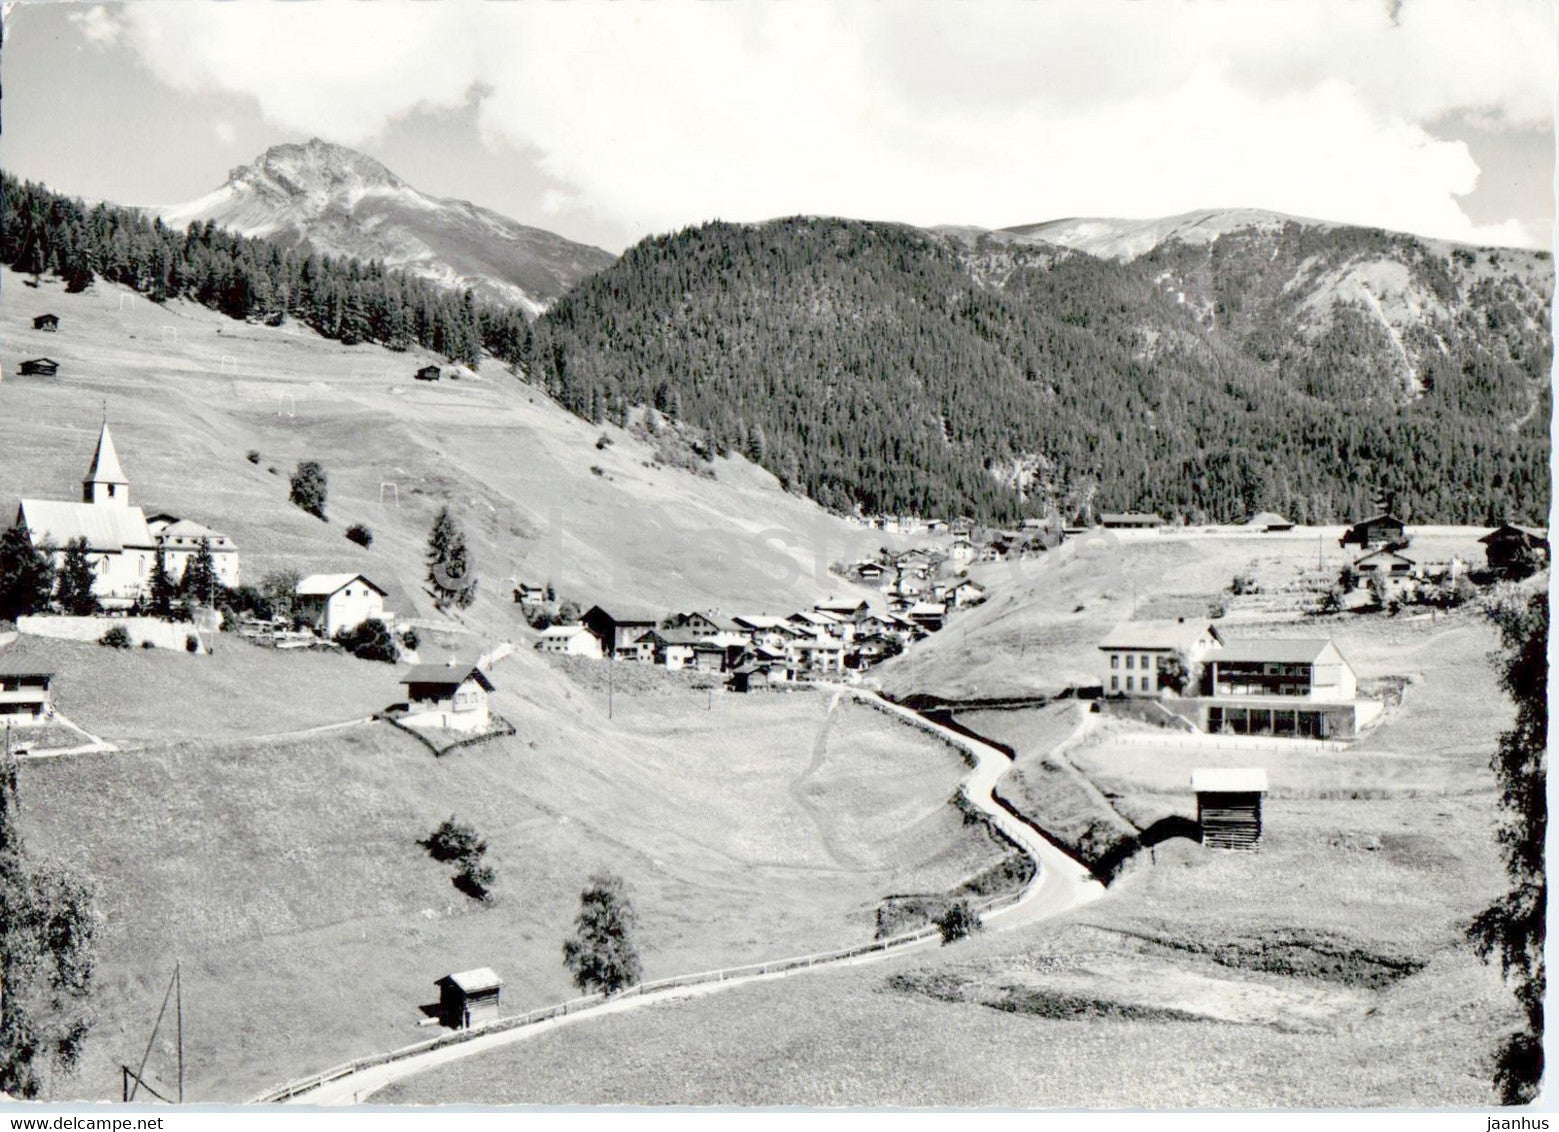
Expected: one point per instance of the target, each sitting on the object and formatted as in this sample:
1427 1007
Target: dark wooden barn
1509 547
43 367
469 998
49 322
1228 806
1379 530
430 373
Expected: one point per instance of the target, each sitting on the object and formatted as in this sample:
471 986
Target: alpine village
927 642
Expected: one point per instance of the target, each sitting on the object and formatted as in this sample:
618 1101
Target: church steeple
105 483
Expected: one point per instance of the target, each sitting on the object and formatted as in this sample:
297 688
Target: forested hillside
893 369
344 299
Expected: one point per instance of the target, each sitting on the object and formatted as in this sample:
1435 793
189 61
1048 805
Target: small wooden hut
49 322
469 998
1228 806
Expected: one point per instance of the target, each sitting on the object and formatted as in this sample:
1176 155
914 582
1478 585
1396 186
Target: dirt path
837 853
1059 884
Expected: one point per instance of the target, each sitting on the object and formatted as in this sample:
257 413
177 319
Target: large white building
335 602
121 544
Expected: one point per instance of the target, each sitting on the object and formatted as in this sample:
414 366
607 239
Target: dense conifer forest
887 369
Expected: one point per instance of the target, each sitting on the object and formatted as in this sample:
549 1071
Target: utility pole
178 1002
610 661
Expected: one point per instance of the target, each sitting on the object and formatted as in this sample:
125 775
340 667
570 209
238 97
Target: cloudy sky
606 122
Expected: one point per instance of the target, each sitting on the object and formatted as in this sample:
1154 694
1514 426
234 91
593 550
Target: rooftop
1158 635
1271 651
323 585
446 675
479 979
1229 780
104 528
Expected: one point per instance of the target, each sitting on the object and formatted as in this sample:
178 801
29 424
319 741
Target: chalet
119 542
182 539
430 373
1135 653
39 367
333 603
872 573
1384 564
469 998
759 675
818 656
1507 547
962 551
965 593
707 623
868 651
812 620
48 322
774 633
1228 806
1381 530
845 611
569 640
930 616
26 691
623 635
1130 520
527 594
674 647
451 696
1270 522
1303 689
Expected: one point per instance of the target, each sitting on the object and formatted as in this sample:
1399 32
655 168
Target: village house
623 635
47 322
1380 530
332 603
706 623
1507 546
26 691
121 543
451 696
773 633
817 656
1288 688
1135 652
844 611
569 640
927 615
527 594
469 998
1384 564
39 367
674 647
965 593
759 671
181 539
1270 522
1128 520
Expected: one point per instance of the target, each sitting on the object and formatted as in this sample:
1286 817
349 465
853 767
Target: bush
117 637
148 645
1243 584
362 535
959 922
191 643
476 878
253 456
603 442
370 640
308 488
410 639
453 841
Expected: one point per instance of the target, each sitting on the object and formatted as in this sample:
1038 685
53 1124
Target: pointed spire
106 481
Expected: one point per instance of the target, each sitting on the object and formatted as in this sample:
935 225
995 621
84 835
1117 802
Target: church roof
104 528
105 462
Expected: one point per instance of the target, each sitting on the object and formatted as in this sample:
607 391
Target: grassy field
189 393
287 878
1329 969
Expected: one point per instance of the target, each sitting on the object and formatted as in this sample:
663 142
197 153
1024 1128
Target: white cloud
669 113
97 25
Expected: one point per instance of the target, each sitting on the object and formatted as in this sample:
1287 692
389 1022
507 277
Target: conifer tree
26 575
451 571
75 592
160 585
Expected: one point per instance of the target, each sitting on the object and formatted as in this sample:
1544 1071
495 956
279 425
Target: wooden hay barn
49 322
469 998
1228 806
42 367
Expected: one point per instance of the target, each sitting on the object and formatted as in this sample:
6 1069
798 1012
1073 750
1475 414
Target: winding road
1059 884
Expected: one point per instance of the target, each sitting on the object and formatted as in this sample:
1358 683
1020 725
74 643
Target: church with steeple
122 542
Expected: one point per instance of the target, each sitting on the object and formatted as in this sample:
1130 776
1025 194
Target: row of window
1131 660
1131 684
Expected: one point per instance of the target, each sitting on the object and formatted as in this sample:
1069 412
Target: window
1115 660
1147 661
1131 661
1131 682
1115 683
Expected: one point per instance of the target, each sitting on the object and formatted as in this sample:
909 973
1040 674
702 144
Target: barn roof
1510 530
323 585
1269 519
104 528
625 616
478 979
563 630
1374 554
1157 635
1229 780
1130 517
446 675
1283 651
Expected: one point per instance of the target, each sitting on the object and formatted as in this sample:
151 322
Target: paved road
1059 884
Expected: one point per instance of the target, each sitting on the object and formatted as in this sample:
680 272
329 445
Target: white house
569 640
450 696
1134 653
333 602
180 540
